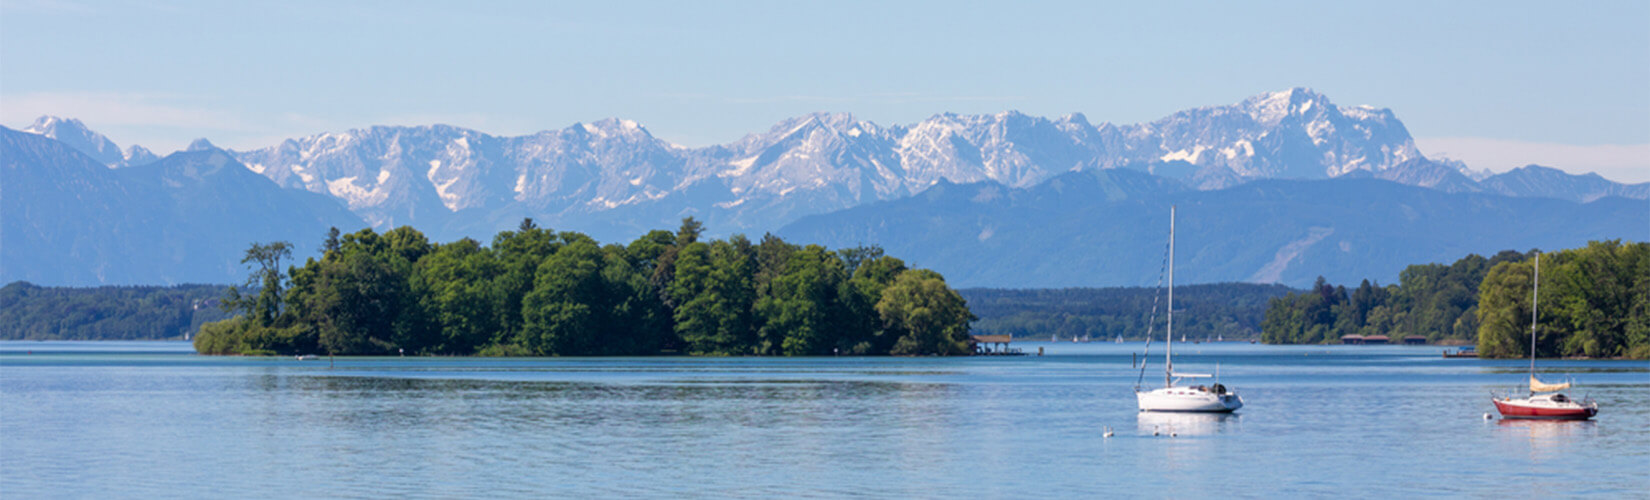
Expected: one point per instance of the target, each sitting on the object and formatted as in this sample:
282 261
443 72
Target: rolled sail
1536 385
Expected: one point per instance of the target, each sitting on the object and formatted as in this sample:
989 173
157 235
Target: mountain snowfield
75 134
615 175
1041 185
614 179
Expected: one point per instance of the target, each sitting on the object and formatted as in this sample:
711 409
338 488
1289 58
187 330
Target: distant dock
993 345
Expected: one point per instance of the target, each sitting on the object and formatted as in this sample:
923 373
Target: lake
154 420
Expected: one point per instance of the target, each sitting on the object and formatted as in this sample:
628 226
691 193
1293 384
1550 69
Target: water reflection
1545 439
1186 424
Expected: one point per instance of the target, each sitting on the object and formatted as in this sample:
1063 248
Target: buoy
1154 430
1487 416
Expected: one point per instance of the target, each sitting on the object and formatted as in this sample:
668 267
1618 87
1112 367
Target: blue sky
1497 84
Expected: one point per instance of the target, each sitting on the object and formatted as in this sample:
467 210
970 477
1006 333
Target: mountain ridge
613 179
1069 233
69 219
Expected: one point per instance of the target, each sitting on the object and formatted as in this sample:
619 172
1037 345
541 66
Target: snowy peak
1272 107
613 128
75 134
137 155
615 170
1295 133
831 157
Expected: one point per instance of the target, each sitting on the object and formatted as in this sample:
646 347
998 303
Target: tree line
31 312
1229 310
537 292
1433 300
1595 301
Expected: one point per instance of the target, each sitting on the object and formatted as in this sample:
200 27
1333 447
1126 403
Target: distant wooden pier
993 345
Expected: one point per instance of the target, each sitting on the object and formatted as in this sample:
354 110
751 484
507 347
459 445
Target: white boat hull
1187 399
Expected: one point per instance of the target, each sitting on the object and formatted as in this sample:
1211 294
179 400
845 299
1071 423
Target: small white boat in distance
1213 398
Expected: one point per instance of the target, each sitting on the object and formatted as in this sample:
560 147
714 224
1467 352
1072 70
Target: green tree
519 254
563 314
1504 311
933 318
862 328
264 260
714 293
802 310
454 283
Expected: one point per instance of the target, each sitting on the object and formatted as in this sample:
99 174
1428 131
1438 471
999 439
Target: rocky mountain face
71 132
1293 134
68 219
613 178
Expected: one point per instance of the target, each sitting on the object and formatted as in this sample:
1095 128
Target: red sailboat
1544 401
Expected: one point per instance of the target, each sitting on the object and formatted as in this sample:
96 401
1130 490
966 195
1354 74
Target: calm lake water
153 420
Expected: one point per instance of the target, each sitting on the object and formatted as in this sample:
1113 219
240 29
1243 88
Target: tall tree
934 319
714 294
566 312
454 283
264 260
802 311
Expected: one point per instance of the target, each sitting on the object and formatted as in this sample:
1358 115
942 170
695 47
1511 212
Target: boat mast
1535 299
1168 352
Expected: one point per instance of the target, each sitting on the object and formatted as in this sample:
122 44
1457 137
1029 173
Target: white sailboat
1194 398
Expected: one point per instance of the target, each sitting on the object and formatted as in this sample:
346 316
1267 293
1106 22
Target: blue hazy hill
1109 228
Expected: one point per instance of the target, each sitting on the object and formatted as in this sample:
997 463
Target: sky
1495 84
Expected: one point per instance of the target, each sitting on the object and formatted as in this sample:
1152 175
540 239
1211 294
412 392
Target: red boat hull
1512 410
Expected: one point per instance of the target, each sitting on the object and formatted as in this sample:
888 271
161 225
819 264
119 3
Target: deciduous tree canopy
538 292
1595 301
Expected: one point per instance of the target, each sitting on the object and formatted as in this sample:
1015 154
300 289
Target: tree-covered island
536 292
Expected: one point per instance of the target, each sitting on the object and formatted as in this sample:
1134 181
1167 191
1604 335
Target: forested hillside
1595 302
1229 310
29 312
1431 300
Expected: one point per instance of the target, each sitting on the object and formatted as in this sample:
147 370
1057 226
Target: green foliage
568 307
1435 301
454 285
29 312
539 293
802 310
930 316
714 292
1594 302
245 337
265 262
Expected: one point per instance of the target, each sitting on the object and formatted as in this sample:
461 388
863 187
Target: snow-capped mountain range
75 134
614 180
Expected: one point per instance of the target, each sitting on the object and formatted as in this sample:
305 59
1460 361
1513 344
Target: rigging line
1151 322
